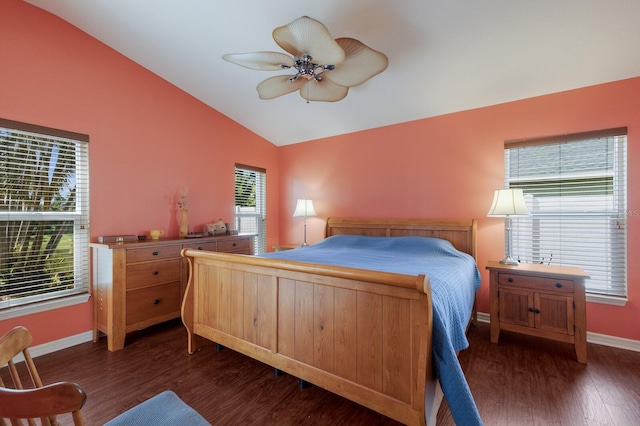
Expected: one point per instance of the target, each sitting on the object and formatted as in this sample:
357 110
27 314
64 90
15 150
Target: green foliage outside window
37 190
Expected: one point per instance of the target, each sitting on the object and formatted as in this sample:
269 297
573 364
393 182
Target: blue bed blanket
454 279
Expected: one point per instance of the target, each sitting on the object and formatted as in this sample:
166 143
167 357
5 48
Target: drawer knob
510 280
558 285
200 248
155 272
155 253
234 244
156 301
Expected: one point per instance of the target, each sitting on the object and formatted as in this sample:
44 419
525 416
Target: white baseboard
67 342
57 345
616 342
595 338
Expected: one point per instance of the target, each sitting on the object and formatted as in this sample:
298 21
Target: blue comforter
454 279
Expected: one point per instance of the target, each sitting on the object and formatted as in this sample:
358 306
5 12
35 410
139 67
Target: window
251 204
575 188
44 212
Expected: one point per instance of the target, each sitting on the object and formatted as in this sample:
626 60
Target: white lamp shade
304 208
508 202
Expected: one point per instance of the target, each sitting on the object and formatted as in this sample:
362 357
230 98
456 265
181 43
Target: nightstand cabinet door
515 307
554 313
528 308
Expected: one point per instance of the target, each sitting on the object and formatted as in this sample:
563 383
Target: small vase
184 223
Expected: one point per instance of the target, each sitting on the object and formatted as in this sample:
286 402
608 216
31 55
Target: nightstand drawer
151 302
146 274
538 283
152 253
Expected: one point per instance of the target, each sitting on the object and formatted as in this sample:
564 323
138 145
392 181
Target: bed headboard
460 232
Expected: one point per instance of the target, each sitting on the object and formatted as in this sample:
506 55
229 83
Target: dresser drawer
152 253
537 283
151 273
207 245
150 302
235 246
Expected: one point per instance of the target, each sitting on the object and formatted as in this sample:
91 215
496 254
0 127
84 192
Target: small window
44 214
251 204
575 188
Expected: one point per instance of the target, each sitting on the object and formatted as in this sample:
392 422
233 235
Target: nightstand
539 300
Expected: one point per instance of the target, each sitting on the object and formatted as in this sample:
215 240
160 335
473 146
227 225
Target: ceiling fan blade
306 36
278 86
263 61
325 91
361 63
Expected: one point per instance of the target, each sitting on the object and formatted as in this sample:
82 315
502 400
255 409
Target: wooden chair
47 402
37 402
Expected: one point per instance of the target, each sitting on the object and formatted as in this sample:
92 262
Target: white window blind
575 188
44 214
251 204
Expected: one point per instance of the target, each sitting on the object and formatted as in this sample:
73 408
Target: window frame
259 214
78 218
616 244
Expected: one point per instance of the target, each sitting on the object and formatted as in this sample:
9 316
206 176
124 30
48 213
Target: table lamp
508 203
304 208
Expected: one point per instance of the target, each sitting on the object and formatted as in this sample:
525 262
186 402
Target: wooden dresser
540 300
139 284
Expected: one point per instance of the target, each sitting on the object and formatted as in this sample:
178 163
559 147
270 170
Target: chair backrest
36 401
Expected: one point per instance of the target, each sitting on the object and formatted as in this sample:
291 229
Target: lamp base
509 261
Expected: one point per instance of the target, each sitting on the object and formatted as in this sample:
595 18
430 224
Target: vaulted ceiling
444 55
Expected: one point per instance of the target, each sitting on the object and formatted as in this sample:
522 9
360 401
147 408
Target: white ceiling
444 55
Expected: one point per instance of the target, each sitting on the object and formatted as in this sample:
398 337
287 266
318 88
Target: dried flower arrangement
183 198
182 205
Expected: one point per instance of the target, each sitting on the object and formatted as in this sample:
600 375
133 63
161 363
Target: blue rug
164 409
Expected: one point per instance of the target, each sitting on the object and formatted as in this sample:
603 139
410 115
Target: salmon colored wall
147 138
449 166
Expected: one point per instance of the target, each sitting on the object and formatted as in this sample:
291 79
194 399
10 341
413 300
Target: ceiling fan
325 68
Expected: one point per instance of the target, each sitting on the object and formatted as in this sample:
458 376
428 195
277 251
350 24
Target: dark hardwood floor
520 381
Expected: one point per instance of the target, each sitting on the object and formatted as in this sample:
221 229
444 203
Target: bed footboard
363 335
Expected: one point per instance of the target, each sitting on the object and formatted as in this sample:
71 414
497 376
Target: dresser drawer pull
510 280
558 285
155 253
200 248
156 301
234 244
155 272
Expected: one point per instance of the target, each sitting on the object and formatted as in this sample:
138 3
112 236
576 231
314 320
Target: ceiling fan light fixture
325 68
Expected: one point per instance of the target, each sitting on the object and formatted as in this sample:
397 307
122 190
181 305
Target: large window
44 212
251 204
575 188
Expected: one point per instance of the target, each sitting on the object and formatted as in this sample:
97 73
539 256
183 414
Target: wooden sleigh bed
364 335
